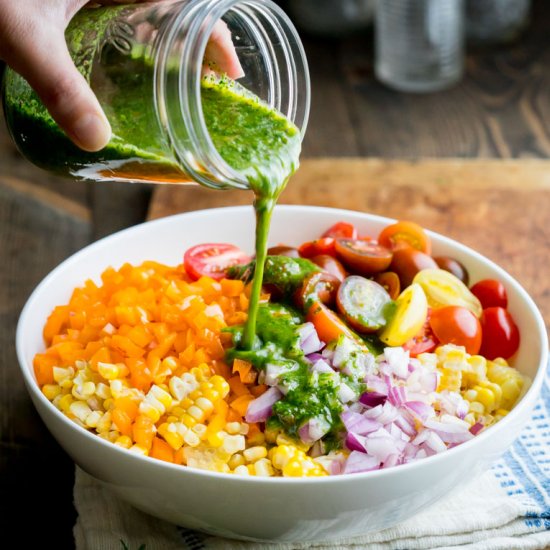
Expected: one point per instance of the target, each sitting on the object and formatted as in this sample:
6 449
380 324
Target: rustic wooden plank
37 476
499 208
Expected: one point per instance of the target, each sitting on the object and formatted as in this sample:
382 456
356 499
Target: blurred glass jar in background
496 21
331 18
419 44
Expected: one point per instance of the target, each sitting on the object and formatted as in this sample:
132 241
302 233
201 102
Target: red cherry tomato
212 260
328 325
424 342
331 265
407 262
317 287
324 245
491 293
363 257
390 281
457 325
453 266
405 233
500 334
283 250
341 230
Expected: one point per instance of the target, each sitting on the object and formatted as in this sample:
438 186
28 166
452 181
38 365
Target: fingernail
92 132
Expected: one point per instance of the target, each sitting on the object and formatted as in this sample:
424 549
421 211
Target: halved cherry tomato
341 230
328 325
409 317
390 281
405 233
363 303
453 266
212 259
491 293
407 262
331 265
325 245
444 289
501 336
424 342
283 250
363 257
457 325
317 287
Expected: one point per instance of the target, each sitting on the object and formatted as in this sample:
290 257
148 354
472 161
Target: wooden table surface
501 110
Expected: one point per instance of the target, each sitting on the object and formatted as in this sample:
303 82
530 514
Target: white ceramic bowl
269 508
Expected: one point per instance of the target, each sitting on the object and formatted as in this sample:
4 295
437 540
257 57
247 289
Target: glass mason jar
419 44
145 63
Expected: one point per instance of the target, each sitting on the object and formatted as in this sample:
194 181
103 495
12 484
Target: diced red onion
372 399
405 426
397 395
449 432
397 432
421 410
431 440
429 381
381 445
313 430
376 384
476 428
360 462
321 366
392 460
359 424
345 393
260 408
309 340
314 357
356 442
384 414
397 362
273 373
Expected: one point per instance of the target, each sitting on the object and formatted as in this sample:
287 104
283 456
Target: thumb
47 66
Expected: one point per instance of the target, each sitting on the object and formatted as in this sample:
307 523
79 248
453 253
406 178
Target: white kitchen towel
507 508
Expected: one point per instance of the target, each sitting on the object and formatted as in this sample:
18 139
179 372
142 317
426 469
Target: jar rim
197 20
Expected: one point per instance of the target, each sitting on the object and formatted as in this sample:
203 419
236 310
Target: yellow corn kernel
476 407
63 373
123 441
188 420
104 423
109 371
233 428
181 386
509 379
80 410
155 403
117 388
191 438
172 433
242 470
92 419
83 391
204 404
196 413
476 371
252 454
283 439
200 430
138 449
233 443
449 380
263 467
236 460
65 402
452 357
51 391
102 390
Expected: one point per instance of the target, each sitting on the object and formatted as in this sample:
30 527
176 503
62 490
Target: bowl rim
527 399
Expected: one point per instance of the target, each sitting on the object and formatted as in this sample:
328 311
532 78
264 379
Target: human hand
32 43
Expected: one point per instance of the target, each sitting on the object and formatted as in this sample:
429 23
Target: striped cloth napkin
507 508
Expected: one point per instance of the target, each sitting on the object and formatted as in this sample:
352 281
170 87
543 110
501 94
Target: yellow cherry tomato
445 289
410 315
